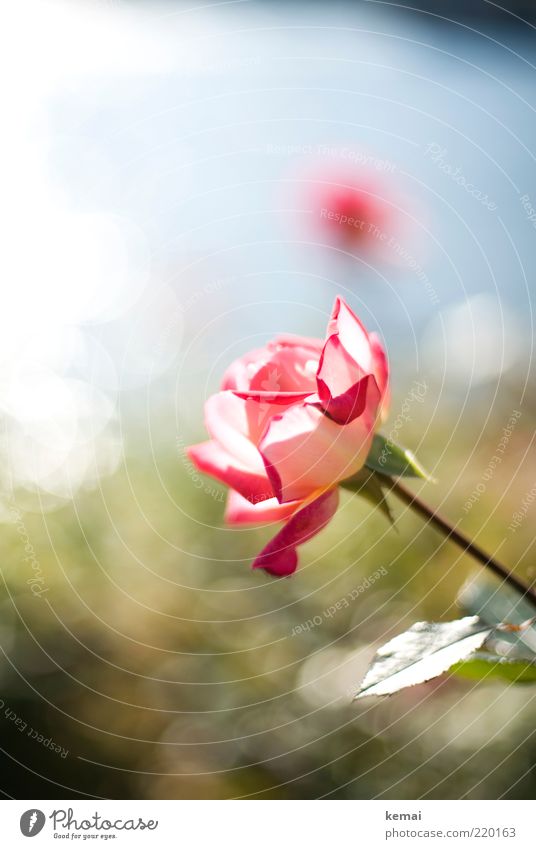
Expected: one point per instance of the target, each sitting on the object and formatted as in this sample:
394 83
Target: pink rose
294 419
355 215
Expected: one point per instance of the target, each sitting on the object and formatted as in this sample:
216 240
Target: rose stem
460 539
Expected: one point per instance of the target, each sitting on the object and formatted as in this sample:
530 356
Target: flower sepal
390 459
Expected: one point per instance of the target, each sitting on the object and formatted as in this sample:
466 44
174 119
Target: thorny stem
460 539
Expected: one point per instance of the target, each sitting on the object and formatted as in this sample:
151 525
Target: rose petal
279 557
227 422
289 369
211 458
352 335
381 365
349 354
238 374
240 511
304 450
237 420
281 399
288 364
351 404
381 372
342 386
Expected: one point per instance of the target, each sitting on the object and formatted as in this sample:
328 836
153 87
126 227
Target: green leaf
483 666
496 603
423 652
370 486
391 459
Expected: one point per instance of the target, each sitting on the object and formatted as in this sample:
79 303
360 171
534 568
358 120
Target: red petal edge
279 557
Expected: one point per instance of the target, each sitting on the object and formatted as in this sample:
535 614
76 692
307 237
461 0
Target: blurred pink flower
294 419
359 207
353 212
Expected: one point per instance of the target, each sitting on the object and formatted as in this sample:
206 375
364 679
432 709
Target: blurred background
175 179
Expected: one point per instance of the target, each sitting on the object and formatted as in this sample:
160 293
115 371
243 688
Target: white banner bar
270 824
